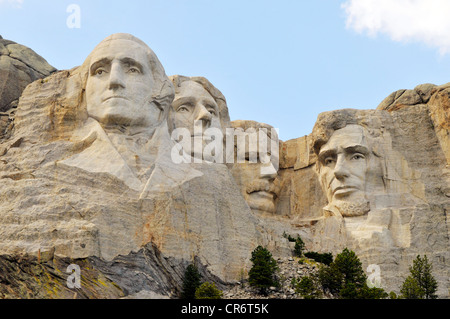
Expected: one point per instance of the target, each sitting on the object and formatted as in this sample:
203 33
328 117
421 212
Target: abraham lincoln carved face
348 169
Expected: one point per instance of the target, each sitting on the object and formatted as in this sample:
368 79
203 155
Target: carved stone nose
204 116
341 170
268 171
116 78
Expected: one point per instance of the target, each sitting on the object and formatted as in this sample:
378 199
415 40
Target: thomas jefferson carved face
119 85
347 170
194 109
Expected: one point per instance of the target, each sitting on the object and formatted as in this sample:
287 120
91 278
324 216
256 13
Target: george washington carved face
125 84
119 85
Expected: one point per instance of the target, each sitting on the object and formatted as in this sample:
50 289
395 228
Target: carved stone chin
352 209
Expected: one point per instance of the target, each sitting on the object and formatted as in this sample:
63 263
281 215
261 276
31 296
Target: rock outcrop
73 188
289 270
85 181
19 66
404 216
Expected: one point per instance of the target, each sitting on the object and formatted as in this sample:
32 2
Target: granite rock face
88 177
19 66
388 207
81 184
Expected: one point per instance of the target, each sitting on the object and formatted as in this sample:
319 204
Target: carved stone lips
264 194
340 190
114 97
263 190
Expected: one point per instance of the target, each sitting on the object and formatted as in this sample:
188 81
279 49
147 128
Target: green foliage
191 281
325 258
289 237
208 291
372 293
352 290
307 287
349 290
393 295
299 247
331 278
262 273
345 278
410 289
420 284
350 267
299 244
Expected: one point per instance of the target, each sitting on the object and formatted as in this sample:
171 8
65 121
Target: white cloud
14 3
426 21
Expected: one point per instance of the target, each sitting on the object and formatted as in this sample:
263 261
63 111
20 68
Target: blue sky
279 62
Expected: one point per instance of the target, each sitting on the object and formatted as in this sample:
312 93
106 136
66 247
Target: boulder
19 66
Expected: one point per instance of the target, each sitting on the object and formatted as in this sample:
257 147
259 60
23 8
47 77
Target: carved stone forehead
120 49
350 135
130 46
252 145
125 45
192 88
253 126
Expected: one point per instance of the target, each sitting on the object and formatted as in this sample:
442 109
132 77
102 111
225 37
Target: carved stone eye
357 157
183 109
99 71
212 111
328 161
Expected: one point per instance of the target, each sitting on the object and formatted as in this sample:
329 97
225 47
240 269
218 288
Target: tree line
342 277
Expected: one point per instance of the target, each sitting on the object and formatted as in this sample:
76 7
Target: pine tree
191 281
420 284
330 278
410 289
262 273
350 267
345 278
307 287
208 291
299 247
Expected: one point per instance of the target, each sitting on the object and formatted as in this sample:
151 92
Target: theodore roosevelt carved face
256 175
